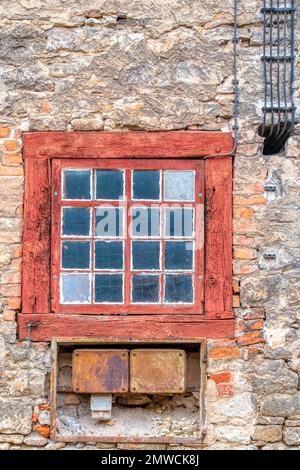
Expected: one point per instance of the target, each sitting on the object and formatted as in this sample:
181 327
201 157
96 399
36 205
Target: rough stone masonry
157 65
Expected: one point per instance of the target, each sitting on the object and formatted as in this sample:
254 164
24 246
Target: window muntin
131 244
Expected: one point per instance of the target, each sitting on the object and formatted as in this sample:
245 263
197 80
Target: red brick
224 343
254 325
17 251
14 159
252 188
253 351
11 278
221 377
9 315
255 188
14 303
243 240
225 390
243 212
244 253
16 264
10 145
249 200
250 338
4 132
224 353
43 430
44 407
10 290
244 226
236 286
11 171
236 301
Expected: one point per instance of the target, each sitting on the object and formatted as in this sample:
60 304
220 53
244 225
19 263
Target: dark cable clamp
270 256
270 187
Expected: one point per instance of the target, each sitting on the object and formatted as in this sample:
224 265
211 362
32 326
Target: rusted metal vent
156 371
100 371
278 58
151 371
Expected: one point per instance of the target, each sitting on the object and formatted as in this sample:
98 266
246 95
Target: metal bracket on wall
279 110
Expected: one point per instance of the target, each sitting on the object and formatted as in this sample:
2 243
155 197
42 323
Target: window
127 234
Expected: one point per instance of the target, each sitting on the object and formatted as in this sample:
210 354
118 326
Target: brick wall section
80 67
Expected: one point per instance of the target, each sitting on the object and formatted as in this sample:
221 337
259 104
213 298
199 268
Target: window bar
264 67
279 111
278 67
127 279
293 60
163 240
271 70
285 69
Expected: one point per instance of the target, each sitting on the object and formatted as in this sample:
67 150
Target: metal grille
278 67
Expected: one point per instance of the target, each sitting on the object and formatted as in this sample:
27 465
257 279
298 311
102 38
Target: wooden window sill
46 326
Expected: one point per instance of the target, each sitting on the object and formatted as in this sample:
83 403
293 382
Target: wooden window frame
116 309
212 148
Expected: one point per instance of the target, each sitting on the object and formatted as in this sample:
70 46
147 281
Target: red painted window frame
57 203
40 148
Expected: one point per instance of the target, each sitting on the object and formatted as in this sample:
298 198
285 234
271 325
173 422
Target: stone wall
157 65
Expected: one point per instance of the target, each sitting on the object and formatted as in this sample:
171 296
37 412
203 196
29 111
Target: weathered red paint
128 307
144 326
41 148
180 144
36 238
218 237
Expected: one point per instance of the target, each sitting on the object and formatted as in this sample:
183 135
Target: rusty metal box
100 370
157 371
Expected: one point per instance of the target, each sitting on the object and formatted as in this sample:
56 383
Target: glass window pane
179 185
109 222
108 255
75 255
76 221
146 184
75 289
145 255
145 222
178 289
109 184
179 222
145 288
179 255
77 184
109 288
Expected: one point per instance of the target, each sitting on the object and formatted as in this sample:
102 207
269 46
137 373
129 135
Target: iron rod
279 110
